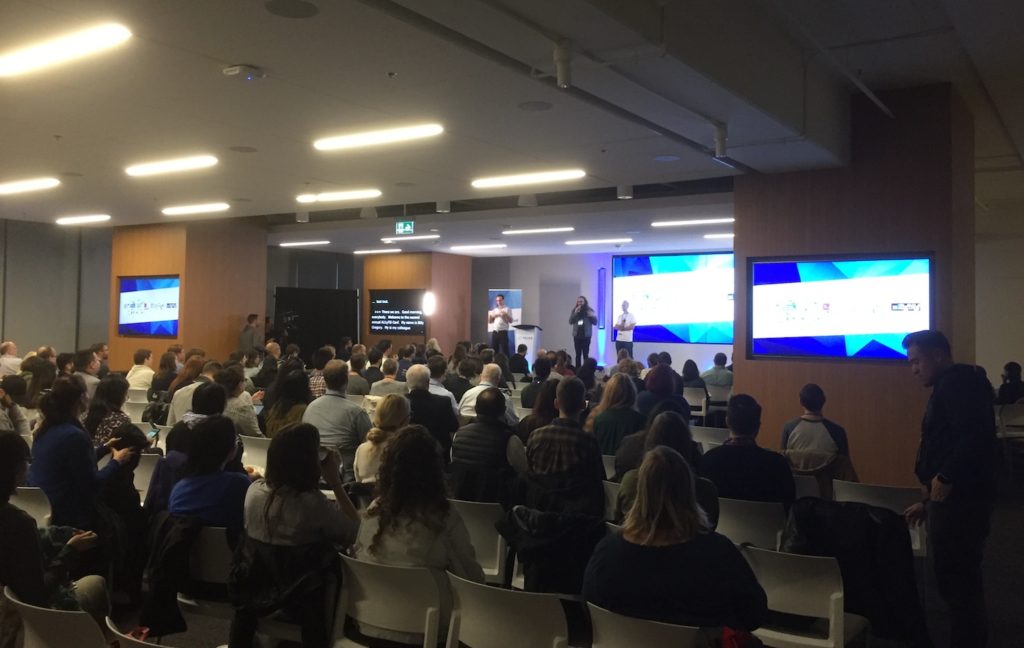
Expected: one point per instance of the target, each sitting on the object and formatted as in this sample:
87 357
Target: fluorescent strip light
83 220
171 166
33 184
529 178
598 241
301 243
380 251
63 49
719 236
695 221
424 237
375 138
184 210
332 196
487 246
542 230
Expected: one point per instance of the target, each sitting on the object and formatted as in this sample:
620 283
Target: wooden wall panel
451 282
906 190
392 271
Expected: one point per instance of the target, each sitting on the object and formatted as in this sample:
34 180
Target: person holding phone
582 319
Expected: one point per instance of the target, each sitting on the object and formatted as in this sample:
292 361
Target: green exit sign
405 227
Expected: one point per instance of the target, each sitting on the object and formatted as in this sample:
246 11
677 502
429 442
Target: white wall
999 304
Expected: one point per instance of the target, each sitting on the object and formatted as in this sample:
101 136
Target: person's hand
330 468
122 455
83 541
253 473
258 396
940 491
915 514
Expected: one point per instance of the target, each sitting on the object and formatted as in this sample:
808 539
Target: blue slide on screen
149 306
677 298
838 309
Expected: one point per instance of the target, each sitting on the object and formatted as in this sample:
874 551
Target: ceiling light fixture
83 220
529 178
171 166
334 196
599 241
562 57
206 208
719 236
303 243
63 49
32 184
694 221
418 237
378 251
540 230
624 192
486 246
376 138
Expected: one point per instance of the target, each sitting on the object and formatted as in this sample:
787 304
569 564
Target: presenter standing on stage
582 319
625 325
500 317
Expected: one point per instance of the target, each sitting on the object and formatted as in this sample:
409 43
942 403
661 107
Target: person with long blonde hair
392 413
615 416
666 565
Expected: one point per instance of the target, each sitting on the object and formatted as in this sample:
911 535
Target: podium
528 334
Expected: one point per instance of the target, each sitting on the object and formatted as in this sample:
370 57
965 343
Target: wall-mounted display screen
839 307
148 306
677 298
397 312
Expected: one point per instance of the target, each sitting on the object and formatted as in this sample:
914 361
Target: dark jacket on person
457 385
267 372
528 396
629 454
372 374
613 425
435 413
647 400
1010 393
266 578
171 540
480 467
741 470
517 364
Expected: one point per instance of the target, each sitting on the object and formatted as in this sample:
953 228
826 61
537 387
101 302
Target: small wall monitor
148 306
397 312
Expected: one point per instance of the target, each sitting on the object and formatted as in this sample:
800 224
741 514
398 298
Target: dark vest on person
480 468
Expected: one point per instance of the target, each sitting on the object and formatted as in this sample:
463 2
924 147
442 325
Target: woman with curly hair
392 413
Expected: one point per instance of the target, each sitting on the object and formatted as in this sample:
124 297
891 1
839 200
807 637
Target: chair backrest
138 395
355 398
486 616
255 453
369 596
704 435
757 523
210 558
134 410
1010 415
611 630
806 486
718 393
490 547
697 399
124 641
894 498
611 499
144 473
609 465
34 502
46 628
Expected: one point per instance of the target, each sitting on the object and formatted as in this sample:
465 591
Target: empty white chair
810 586
255 453
611 499
894 498
370 594
757 523
46 628
144 473
719 394
613 630
713 435
698 401
491 548
138 395
135 410
486 616
34 502
124 641
806 486
609 465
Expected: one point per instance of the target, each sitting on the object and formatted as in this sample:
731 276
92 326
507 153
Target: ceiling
471 65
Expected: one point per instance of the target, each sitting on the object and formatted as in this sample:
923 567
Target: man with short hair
517 363
563 446
490 376
624 325
541 372
342 424
404 360
321 357
812 431
430 410
459 383
385 348
499 318
718 375
87 366
357 385
438 367
140 376
271 363
195 352
486 453
250 340
740 468
388 385
181 402
12 419
102 352
345 352
955 467
10 362
373 372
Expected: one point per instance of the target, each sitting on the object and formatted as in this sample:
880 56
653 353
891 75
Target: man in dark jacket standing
955 466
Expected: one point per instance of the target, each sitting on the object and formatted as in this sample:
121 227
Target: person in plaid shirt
563 447
321 357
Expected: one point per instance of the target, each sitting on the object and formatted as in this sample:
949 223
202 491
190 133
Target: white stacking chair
486 616
355 398
144 473
698 401
1010 430
34 502
46 628
719 394
702 434
611 630
611 500
30 416
124 641
609 465
255 453
138 395
810 586
28 439
135 410
807 486
490 547
756 523
400 599
895 498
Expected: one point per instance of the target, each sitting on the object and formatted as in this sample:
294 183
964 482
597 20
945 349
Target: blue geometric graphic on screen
697 333
833 270
630 266
163 328
149 283
766 274
878 346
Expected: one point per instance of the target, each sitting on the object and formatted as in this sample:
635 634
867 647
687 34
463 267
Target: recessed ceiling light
486 246
599 241
376 138
83 220
693 221
378 251
171 166
333 196
666 158
419 237
302 243
719 236
63 49
206 208
529 178
32 184
540 230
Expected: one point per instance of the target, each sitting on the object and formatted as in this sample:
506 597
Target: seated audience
667 565
490 376
271 362
188 374
458 355
671 430
411 523
631 368
342 424
10 361
292 536
660 385
541 372
562 366
459 383
321 357
65 364
392 412
587 372
431 347
374 366
544 410
239 407
104 419
742 470
388 384
165 374
181 401
12 418
718 375
1012 389
293 396
357 385
43 376
812 431
140 376
438 368
631 450
486 453
614 417
127 536
405 354
207 491
432 411
691 377
274 390
652 359
518 363
87 367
